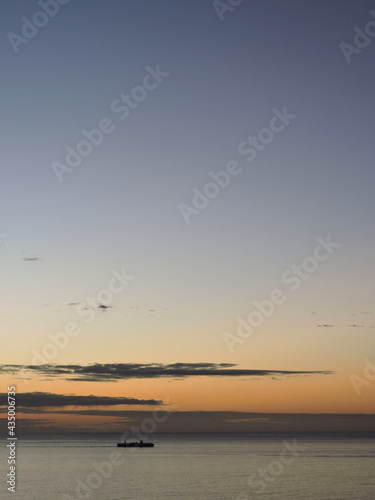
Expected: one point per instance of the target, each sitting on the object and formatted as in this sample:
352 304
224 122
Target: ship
135 444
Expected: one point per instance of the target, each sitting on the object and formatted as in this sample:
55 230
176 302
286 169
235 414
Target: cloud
98 307
245 420
122 371
104 308
48 399
196 421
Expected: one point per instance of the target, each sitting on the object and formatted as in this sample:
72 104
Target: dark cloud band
47 399
121 371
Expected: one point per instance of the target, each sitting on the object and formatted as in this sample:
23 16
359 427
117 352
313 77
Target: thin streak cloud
122 371
48 399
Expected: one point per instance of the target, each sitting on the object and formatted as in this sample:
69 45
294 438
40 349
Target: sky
187 213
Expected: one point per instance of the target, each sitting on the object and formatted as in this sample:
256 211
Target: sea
193 467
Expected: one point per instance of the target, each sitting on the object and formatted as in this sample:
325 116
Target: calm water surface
195 467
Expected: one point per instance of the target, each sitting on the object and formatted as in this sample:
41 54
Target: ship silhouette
135 444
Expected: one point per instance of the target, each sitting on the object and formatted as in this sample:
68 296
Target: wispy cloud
104 308
98 307
121 371
48 399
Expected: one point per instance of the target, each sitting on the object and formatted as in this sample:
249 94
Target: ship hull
135 445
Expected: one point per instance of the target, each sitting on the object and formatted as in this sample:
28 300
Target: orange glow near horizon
293 394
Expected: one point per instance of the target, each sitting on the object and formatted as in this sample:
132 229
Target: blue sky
120 206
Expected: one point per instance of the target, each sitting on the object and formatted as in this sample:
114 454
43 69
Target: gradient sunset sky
162 337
